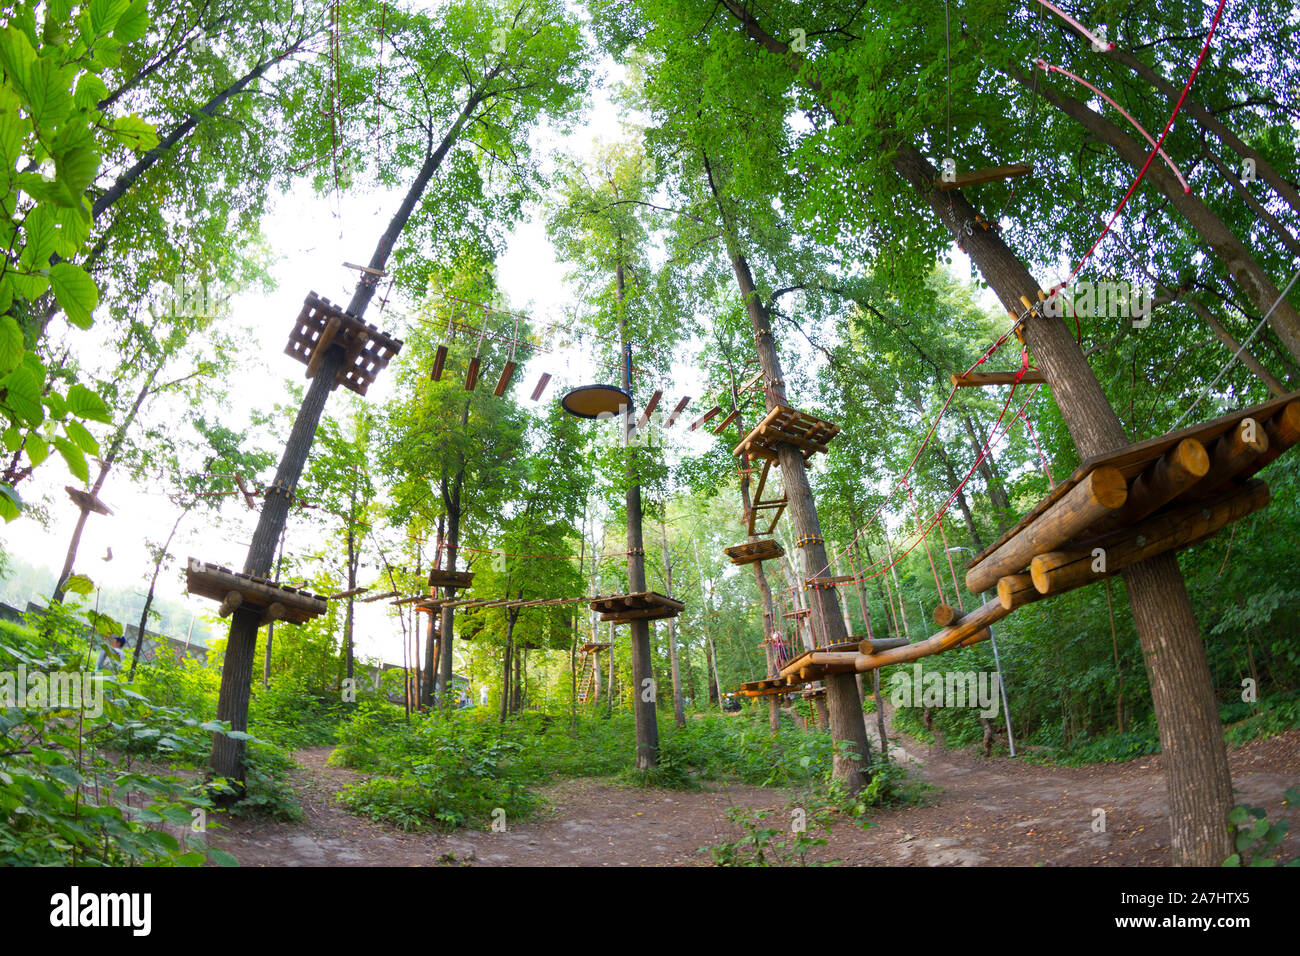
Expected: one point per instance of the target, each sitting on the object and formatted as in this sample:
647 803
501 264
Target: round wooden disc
595 401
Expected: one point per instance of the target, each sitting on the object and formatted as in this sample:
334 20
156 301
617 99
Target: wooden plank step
975 177
980 379
751 551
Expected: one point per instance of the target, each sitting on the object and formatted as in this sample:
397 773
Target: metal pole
1002 685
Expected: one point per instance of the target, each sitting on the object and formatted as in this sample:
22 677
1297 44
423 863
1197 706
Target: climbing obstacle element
321 324
752 551
775 506
975 177
237 590
642 606
86 501
782 426
438 578
1030 376
1120 508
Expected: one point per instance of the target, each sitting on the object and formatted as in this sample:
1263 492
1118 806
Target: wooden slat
703 419
974 177
541 385
507 371
681 407
650 407
980 379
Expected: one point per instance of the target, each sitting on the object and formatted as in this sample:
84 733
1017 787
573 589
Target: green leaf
13 438
11 344
47 94
222 858
90 90
83 439
85 404
37 448
134 133
105 14
10 504
75 292
22 394
79 584
73 456
56 403
134 23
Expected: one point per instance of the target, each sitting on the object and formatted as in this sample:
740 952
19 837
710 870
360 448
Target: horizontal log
944 614
977 638
229 603
1233 451
967 626
1283 431
1101 492
980 379
1169 476
877 644
1056 572
1017 590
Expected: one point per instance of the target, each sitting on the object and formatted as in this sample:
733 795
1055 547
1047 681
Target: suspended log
1032 376
1059 571
1169 476
1232 452
439 360
507 372
1096 496
876 645
681 407
541 385
974 177
471 374
944 614
967 626
1017 590
650 407
703 419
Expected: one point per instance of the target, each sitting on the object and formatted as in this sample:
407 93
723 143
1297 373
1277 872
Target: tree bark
679 711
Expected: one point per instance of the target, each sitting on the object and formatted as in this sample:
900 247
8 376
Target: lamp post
997 662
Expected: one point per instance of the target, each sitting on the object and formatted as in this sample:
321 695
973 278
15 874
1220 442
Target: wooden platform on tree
438 578
752 551
237 590
974 177
595 647
769 685
643 606
1202 464
321 325
785 426
86 501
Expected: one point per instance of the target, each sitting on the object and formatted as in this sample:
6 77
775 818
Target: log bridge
1167 493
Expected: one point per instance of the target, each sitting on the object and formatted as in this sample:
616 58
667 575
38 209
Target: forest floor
994 811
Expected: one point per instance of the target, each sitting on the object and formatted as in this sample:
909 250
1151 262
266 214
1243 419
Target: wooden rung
975 177
439 360
980 379
471 374
705 417
504 381
726 421
650 407
681 407
541 385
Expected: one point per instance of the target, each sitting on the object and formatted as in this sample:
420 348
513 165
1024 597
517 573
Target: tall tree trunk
153 583
227 755
643 687
852 758
679 711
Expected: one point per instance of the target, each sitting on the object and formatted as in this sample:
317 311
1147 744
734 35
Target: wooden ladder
587 677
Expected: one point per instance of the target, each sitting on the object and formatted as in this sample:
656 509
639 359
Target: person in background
116 648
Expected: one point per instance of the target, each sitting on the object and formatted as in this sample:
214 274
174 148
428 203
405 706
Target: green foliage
761 844
1257 841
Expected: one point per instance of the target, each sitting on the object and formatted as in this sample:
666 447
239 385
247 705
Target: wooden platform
237 590
643 606
321 324
752 551
595 647
785 426
1206 464
438 578
86 501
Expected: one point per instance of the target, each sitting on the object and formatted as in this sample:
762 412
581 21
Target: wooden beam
1283 430
964 628
681 407
726 421
507 372
878 644
541 385
1231 453
981 379
1164 479
974 177
703 419
944 614
650 407
1059 571
439 360
1017 590
1101 492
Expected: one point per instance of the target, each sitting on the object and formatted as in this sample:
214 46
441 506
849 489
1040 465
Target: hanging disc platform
1117 509
321 324
752 551
237 590
782 426
643 606
438 578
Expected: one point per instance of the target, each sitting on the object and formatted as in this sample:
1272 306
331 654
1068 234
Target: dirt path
997 811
